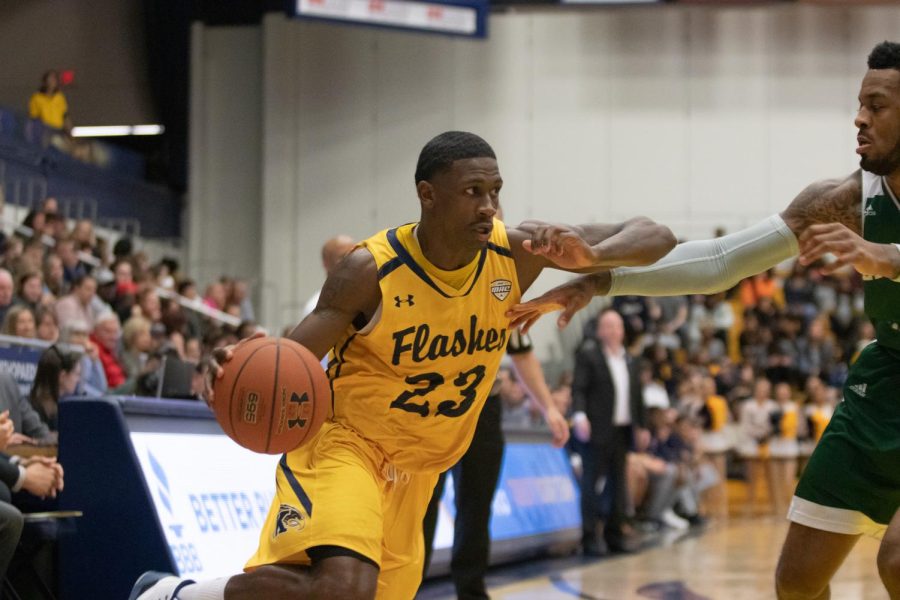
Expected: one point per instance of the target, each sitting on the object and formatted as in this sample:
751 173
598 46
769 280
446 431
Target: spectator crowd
736 385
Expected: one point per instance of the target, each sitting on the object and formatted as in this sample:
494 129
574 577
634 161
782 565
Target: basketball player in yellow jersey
415 319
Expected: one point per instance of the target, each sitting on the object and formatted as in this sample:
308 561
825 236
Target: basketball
273 395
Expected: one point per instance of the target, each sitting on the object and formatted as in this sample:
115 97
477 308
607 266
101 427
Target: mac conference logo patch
288 516
500 288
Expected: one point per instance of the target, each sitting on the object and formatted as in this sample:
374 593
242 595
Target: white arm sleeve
709 266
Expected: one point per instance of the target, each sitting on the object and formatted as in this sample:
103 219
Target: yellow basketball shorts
338 490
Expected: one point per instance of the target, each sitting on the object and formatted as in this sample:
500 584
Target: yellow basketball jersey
414 380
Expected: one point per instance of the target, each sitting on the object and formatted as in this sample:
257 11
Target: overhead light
117 130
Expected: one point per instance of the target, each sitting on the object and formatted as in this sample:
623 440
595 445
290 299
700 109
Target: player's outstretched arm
709 266
638 241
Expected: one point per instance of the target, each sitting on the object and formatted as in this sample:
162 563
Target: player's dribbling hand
558 425
560 244
569 297
220 356
848 248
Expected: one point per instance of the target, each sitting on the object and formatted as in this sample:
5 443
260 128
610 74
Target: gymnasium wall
101 40
223 220
696 116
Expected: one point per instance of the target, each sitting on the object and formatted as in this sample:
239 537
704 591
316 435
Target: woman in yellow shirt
48 104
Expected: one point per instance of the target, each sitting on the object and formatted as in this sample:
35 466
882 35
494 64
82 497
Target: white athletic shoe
154 585
674 521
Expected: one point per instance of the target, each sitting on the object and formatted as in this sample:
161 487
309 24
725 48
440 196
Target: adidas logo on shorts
859 389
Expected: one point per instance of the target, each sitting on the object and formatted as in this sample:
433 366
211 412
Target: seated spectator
176 325
106 337
164 274
652 482
666 446
240 296
11 521
12 250
6 292
122 249
78 305
30 429
83 236
784 447
149 304
126 288
30 291
47 325
19 321
655 395
198 381
136 344
215 296
93 378
49 105
755 420
39 476
188 289
817 413
58 373
57 228
716 439
54 279
31 258
50 205
193 350
73 268
697 475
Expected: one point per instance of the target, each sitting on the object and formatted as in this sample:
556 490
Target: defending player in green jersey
851 486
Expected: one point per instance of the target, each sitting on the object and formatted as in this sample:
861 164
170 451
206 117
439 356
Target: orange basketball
273 395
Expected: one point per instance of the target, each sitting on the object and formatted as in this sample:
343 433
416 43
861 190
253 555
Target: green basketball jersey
881 224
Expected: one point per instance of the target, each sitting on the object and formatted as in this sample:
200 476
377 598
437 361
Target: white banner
460 20
212 498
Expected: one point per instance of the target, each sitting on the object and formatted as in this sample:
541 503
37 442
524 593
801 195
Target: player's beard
885 165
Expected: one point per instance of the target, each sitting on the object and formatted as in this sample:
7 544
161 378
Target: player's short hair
441 152
885 55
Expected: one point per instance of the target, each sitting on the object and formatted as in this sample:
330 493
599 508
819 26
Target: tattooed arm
350 296
829 201
828 220
709 266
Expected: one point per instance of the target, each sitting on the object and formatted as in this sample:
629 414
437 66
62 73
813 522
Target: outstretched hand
560 244
569 297
220 356
848 248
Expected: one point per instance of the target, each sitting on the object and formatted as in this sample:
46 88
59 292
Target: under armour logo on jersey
859 389
409 300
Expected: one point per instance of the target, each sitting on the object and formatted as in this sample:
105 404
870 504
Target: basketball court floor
731 561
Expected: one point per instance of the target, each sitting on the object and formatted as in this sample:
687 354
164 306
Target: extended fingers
821 228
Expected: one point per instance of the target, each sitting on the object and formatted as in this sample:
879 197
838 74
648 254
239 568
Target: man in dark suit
608 404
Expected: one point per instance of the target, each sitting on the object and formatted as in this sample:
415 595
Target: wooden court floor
731 561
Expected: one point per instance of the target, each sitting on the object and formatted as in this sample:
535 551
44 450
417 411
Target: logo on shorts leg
288 516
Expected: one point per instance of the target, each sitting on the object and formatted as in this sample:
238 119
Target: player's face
466 198
878 121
